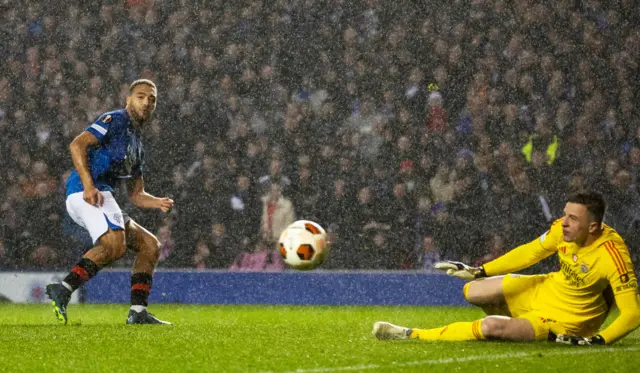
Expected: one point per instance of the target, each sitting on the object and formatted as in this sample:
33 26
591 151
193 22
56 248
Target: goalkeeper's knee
465 291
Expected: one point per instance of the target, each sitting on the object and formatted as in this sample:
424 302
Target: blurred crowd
411 131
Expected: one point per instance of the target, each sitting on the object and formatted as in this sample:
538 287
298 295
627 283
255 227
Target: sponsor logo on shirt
630 285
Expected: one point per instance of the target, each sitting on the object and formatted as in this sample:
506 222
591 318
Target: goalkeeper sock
459 331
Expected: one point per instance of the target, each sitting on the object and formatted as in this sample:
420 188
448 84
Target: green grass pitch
275 339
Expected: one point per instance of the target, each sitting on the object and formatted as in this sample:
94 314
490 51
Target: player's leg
491 327
147 249
511 295
508 295
487 293
459 331
105 226
111 247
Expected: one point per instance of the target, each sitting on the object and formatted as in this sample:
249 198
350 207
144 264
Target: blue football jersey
119 154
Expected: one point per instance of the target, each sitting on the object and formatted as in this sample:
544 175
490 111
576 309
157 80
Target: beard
140 117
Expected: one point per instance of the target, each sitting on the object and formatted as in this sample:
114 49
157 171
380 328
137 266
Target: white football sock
67 286
138 308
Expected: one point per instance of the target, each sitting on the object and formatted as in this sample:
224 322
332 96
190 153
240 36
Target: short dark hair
141 81
593 201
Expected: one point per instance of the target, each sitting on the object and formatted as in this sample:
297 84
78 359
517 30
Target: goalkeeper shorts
520 293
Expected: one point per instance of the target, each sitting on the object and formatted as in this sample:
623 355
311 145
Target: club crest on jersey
575 258
106 118
117 218
584 268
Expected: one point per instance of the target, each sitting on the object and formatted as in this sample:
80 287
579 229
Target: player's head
583 216
141 101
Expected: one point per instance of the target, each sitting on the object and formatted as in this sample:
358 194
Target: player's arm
624 284
627 321
79 148
139 197
517 259
528 254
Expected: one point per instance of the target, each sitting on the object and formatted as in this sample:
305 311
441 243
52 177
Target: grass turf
275 339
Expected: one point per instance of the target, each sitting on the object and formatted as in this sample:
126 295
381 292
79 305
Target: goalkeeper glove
580 341
461 270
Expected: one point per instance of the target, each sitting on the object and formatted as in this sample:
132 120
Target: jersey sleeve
618 268
101 126
627 321
551 239
528 254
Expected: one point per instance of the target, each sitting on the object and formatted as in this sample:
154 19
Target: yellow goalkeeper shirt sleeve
619 271
628 320
528 254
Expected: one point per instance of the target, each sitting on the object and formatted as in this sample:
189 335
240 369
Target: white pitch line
450 360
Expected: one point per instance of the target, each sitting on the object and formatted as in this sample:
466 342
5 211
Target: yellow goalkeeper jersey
577 293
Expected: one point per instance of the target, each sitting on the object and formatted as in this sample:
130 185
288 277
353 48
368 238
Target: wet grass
275 339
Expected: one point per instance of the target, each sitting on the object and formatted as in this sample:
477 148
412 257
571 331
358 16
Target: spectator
43 257
377 253
277 214
438 117
275 175
430 254
442 186
245 210
263 257
224 249
624 203
358 105
167 244
543 140
497 248
202 254
306 196
400 217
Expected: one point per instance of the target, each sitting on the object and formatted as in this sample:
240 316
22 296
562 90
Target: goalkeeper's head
583 216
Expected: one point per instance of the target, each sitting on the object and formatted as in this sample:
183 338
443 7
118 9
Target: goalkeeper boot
144 317
60 297
387 331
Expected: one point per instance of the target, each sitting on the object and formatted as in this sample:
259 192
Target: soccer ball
303 245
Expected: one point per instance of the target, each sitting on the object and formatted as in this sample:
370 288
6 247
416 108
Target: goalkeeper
568 306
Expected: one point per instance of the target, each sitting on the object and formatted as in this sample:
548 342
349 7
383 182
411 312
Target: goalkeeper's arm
519 258
627 321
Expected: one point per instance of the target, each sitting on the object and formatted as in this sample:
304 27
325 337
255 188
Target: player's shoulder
615 254
612 239
557 223
113 117
552 239
556 227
